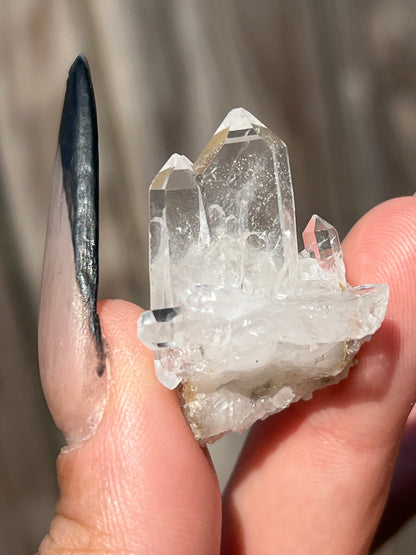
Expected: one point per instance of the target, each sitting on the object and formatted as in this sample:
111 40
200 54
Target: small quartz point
322 242
240 322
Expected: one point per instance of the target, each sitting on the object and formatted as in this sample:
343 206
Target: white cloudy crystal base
241 323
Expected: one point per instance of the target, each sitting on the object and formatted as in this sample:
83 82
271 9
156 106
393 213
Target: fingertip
382 244
381 247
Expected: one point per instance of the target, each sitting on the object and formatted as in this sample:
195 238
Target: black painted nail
71 348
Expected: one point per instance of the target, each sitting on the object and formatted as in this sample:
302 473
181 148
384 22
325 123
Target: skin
315 475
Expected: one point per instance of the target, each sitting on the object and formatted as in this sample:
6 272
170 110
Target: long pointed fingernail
72 356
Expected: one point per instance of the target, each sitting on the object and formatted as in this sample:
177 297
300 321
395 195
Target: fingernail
72 358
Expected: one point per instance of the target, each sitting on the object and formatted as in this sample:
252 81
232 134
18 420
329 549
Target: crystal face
240 322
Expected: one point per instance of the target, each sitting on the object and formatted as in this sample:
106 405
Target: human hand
313 478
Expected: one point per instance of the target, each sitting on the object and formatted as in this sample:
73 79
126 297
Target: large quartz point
240 322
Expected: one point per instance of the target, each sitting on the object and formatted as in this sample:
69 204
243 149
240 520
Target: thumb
141 483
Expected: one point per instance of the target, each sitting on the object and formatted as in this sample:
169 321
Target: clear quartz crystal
240 321
321 241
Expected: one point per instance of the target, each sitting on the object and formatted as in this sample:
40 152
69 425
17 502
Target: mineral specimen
241 323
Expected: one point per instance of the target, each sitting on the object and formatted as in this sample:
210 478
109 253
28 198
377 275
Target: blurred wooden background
336 79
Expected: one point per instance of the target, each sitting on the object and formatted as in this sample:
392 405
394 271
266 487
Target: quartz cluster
240 322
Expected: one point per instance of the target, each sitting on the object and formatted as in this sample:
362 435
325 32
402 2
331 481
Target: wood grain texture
335 79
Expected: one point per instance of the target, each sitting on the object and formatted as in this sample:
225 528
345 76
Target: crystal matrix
241 323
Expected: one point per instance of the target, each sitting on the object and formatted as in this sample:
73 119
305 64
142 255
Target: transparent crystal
244 178
174 226
239 320
321 241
